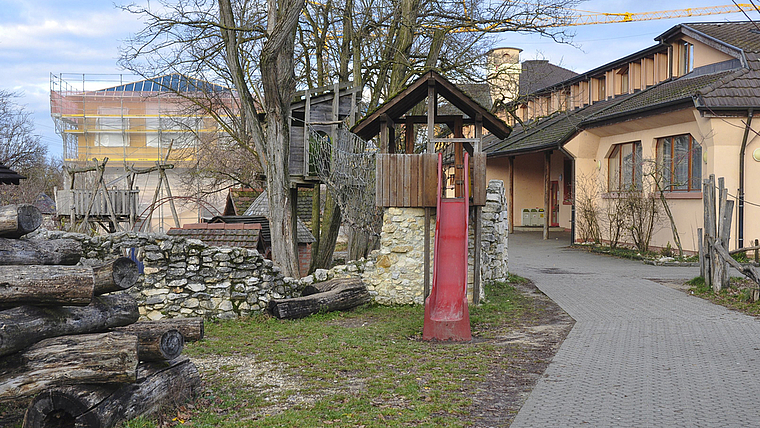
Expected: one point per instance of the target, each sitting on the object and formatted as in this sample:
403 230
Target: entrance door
554 206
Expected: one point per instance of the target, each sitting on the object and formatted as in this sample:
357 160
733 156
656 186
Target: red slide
446 314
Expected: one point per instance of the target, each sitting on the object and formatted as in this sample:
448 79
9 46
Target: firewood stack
70 343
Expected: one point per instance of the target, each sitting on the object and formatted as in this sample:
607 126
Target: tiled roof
9 176
740 89
743 35
539 74
260 207
662 94
548 131
221 234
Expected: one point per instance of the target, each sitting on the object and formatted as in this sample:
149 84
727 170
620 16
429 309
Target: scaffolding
136 123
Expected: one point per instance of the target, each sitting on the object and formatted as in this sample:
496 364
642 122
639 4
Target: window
625 167
679 159
623 80
602 82
111 125
686 58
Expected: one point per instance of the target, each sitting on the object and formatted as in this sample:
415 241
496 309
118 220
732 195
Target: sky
40 37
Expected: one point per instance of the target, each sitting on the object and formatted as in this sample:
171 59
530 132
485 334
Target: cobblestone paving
641 354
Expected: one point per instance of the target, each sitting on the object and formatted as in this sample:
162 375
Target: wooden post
306 135
511 204
708 193
432 100
169 193
547 190
701 249
757 244
427 253
476 262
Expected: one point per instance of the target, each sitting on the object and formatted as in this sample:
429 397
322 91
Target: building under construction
149 131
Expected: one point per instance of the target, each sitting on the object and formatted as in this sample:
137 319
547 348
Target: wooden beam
426 233
476 262
444 118
432 100
547 190
306 120
511 202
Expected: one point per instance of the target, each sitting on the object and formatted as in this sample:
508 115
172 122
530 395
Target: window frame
636 180
669 184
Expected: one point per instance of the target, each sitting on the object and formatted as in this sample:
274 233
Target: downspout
750 113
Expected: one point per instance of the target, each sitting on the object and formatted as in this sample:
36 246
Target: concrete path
640 354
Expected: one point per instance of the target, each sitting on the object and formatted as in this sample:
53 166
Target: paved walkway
640 354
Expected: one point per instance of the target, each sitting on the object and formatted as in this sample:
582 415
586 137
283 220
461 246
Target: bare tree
250 46
22 150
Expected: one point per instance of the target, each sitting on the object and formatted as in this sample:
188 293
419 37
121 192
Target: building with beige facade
671 114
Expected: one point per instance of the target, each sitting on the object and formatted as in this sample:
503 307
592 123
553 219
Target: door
554 205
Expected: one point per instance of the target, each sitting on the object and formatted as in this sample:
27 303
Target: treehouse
410 134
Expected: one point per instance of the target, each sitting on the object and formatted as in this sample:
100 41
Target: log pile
73 350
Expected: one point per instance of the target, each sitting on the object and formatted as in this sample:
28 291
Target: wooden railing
411 180
75 202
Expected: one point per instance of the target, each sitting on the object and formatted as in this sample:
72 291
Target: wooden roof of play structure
407 173
415 93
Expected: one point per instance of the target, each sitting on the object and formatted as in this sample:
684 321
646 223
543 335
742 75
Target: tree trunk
156 342
87 358
360 243
99 406
25 325
46 285
117 275
278 82
18 220
328 234
190 328
330 285
39 252
338 298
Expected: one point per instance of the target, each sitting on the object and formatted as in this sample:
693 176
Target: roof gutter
743 150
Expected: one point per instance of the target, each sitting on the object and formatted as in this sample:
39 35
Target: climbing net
347 167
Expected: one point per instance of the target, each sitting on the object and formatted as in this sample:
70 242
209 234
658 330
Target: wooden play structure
428 168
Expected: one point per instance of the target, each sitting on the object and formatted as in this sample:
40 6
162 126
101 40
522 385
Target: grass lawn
738 296
364 368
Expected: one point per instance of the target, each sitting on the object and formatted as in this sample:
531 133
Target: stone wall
185 277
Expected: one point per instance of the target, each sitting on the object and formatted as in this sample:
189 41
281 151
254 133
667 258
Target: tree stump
18 220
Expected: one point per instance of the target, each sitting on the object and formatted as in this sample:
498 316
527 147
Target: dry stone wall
187 278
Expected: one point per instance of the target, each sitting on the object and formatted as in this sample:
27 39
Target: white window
112 127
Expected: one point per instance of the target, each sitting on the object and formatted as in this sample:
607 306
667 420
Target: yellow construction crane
579 17
586 17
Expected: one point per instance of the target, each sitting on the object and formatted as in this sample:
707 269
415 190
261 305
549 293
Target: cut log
156 342
69 360
117 275
191 328
339 298
18 220
98 406
40 252
323 287
46 285
25 325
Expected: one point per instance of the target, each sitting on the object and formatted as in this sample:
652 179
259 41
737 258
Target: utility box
534 217
541 217
526 221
